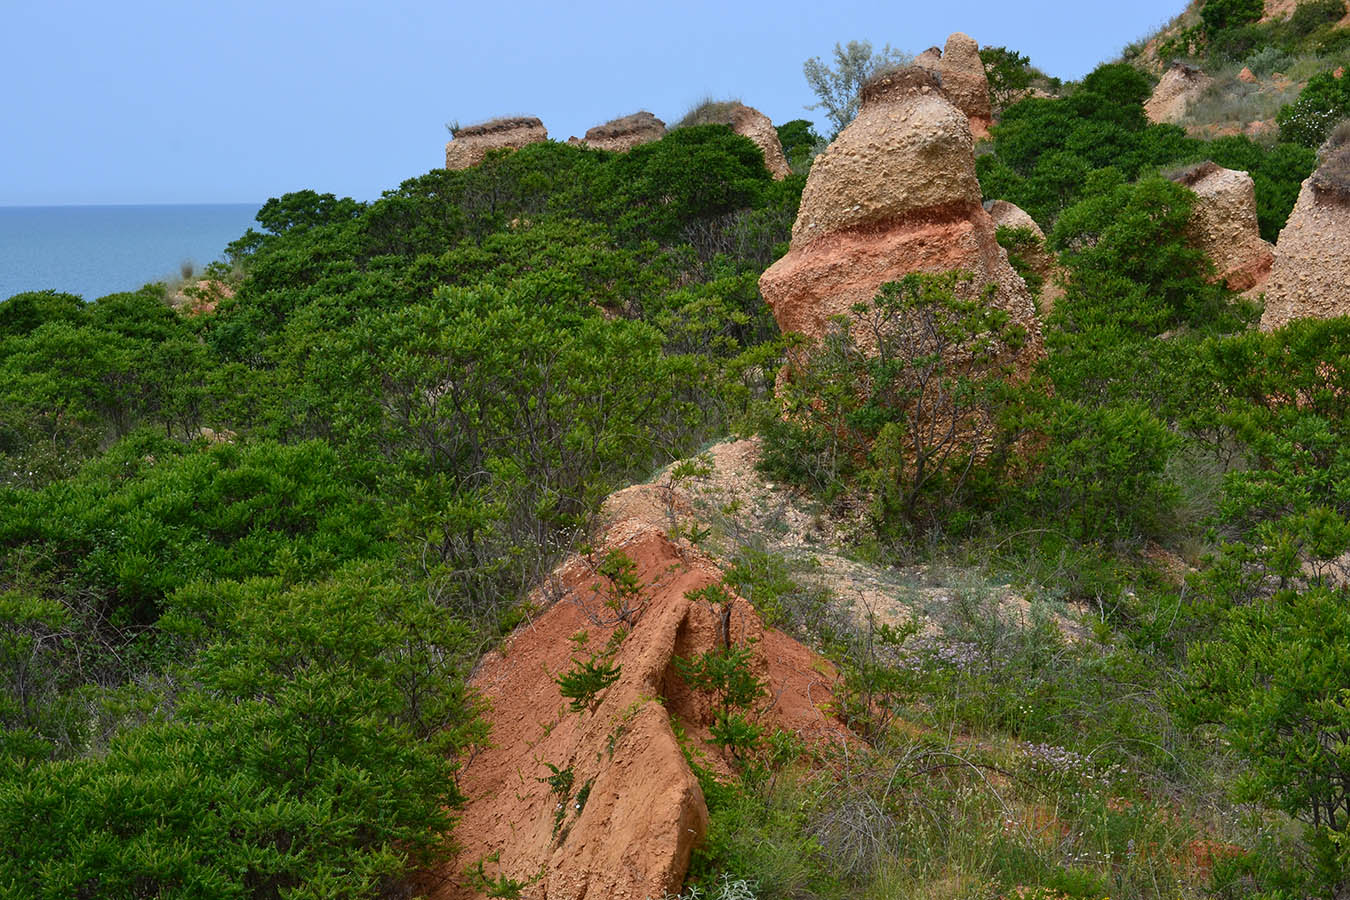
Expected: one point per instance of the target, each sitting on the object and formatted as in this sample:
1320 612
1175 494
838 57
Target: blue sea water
98 250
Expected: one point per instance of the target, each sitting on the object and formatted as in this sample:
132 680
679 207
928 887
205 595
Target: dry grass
708 112
1230 101
495 126
639 121
1339 137
1190 176
898 82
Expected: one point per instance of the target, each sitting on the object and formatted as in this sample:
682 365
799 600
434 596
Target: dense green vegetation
247 558
1047 151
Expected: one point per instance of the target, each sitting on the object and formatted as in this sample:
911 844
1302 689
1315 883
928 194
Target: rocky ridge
633 809
623 134
1180 86
470 144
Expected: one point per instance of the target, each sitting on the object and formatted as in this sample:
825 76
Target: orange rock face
1223 224
471 144
1311 275
895 193
634 810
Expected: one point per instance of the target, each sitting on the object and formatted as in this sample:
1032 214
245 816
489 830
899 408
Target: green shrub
902 413
1009 74
309 755
800 142
1273 683
1118 83
1309 119
1102 473
1219 15
1311 15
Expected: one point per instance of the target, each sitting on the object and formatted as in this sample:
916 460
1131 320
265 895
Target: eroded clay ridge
602 803
963 79
1311 275
895 193
1223 224
623 134
471 143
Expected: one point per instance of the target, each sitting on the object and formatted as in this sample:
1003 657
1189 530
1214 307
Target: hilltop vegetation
249 558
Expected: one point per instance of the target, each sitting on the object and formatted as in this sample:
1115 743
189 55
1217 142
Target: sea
93 251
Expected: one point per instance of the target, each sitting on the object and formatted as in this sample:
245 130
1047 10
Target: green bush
310 755
1102 473
1272 682
1309 119
902 414
1311 15
1219 15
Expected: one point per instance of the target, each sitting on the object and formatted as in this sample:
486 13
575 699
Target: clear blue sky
150 101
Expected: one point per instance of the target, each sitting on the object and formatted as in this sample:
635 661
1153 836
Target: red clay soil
643 811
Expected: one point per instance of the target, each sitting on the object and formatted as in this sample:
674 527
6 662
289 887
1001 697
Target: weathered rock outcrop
747 122
1311 275
625 824
471 144
1277 10
1010 215
1223 224
929 59
961 72
895 193
1180 86
623 134
1037 254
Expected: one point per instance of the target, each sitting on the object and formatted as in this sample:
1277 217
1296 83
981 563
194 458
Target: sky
151 101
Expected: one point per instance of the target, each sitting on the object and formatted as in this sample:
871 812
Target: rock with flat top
472 143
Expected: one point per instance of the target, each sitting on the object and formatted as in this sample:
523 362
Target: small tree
907 394
1009 74
838 88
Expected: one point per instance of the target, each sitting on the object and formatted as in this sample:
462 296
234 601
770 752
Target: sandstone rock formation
1311 275
1180 86
1223 224
634 810
929 59
1038 255
961 73
895 193
472 143
747 122
622 135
